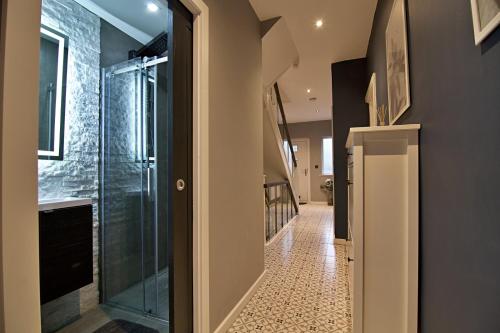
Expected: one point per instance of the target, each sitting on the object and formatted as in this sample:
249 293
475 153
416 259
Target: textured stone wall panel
77 175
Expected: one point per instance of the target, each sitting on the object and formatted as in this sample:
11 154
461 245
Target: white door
301 149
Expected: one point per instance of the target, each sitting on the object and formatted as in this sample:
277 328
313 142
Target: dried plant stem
381 114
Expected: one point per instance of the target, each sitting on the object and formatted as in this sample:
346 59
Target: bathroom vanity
65 233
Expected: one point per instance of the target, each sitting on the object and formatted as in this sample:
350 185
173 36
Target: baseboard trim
340 241
275 237
235 312
318 202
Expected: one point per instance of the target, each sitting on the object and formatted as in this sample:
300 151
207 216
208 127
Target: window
327 157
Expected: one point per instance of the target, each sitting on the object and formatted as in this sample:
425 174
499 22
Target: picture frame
398 72
371 100
485 18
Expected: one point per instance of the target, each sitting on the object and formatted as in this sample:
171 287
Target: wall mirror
52 93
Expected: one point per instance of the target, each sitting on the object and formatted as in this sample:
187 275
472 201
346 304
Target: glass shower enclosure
133 172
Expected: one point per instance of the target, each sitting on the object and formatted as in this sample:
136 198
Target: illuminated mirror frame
62 61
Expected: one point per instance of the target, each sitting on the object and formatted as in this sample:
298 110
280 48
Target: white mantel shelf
383 209
379 129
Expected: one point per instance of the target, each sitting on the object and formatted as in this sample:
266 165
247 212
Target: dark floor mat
123 326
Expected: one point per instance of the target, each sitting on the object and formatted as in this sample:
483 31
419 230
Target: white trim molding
319 202
340 241
201 248
233 315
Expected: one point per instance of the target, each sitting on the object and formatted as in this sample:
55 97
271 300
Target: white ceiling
131 16
344 36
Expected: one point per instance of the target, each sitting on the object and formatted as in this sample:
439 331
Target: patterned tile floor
306 289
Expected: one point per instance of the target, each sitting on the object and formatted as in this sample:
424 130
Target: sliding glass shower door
134 237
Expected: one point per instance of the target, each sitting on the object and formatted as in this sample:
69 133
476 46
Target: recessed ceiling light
319 23
308 91
317 110
152 7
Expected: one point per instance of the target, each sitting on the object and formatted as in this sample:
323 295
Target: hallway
306 288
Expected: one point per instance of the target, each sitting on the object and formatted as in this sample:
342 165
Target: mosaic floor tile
306 289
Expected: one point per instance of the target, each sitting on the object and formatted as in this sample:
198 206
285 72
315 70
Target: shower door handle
148 172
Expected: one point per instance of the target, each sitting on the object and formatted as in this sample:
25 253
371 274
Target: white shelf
58 203
379 129
384 217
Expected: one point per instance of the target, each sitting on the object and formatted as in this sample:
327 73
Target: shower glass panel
134 226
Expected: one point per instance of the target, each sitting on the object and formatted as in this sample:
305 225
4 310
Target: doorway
27 192
302 174
134 265
146 177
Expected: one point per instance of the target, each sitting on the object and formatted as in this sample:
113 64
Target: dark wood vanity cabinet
65 251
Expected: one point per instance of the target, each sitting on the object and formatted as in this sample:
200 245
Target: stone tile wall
77 174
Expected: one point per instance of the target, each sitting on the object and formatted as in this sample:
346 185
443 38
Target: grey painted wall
455 91
2 55
236 155
315 131
77 174
349 110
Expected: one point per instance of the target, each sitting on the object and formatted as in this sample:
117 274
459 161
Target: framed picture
371 100
485 18
398 77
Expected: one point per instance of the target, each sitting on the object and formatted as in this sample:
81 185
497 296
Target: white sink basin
57 203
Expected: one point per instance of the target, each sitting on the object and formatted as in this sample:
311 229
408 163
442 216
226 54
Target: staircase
279 54
282 202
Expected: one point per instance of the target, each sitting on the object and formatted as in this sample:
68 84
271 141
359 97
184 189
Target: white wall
279 52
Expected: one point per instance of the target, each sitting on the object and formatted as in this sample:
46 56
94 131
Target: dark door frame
180 129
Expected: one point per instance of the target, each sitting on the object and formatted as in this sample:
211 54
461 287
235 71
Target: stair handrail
279 183
285 124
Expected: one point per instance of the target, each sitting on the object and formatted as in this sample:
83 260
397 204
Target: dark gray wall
455 91
115 45
315 131
349 110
